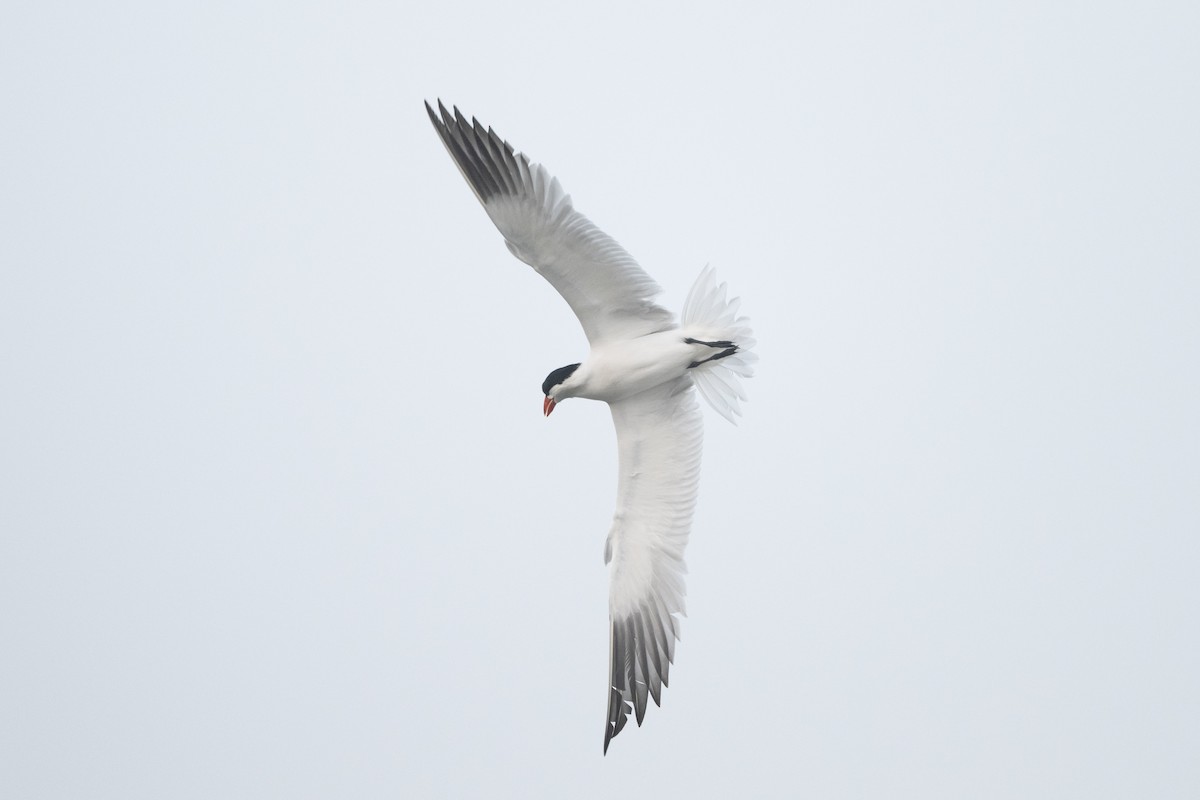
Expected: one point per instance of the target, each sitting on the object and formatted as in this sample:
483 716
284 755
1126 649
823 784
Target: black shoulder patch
558 376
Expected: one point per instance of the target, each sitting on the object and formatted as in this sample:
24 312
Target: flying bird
647 367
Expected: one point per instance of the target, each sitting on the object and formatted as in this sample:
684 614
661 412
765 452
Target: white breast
616 370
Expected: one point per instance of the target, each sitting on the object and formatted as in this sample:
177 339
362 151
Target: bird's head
558 386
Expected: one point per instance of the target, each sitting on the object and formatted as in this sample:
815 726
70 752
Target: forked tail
709 319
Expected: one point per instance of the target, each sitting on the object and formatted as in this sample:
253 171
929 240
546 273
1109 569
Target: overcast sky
281 517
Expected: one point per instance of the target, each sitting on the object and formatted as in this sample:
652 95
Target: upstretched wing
660 435
605 287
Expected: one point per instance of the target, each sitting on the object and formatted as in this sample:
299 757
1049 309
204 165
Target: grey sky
281 515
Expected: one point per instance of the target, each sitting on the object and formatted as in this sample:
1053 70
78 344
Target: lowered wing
660 434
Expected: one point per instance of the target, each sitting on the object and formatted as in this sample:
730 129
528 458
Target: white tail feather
708 316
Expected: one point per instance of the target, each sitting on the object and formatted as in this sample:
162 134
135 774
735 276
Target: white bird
644 366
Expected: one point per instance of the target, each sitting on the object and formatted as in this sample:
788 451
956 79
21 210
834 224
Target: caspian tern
644 366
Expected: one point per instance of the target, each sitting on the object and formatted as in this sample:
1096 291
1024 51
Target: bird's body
642 363
615 370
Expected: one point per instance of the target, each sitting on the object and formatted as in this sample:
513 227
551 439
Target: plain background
280 515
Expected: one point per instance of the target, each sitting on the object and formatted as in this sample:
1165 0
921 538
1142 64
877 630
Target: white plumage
644 366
